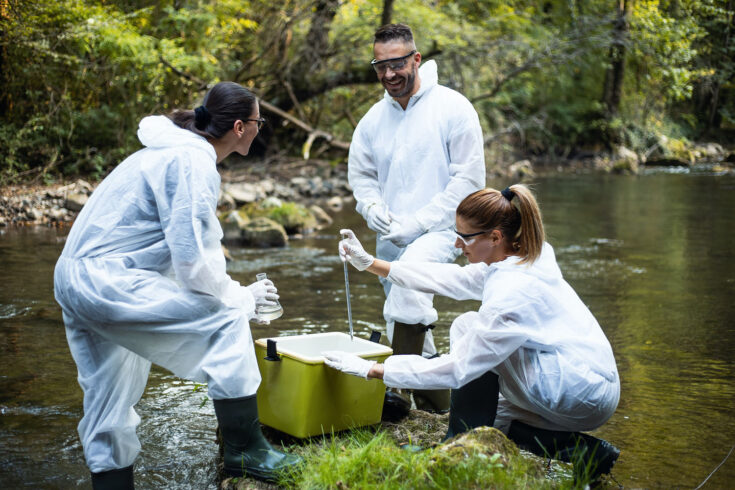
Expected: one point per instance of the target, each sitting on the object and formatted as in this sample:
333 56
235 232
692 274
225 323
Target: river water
652 256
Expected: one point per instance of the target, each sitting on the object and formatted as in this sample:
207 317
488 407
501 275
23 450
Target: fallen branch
313 133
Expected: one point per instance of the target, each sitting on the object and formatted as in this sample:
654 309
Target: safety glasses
394 64
260 121
469 238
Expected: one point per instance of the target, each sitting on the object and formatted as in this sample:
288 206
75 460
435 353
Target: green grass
372 460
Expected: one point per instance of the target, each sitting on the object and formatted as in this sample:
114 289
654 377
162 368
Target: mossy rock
625 166
294 217
678 150
263 232
485 440
232 224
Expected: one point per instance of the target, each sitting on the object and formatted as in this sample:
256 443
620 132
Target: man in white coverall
414 156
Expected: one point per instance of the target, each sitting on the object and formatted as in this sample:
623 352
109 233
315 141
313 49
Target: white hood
161 132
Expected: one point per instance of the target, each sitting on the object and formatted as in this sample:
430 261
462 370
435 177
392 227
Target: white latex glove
351 249
264 292
348 363
404 231
378 218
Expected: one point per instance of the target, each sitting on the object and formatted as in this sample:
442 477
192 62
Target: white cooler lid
308 348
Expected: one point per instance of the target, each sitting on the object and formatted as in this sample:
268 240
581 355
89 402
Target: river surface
651 255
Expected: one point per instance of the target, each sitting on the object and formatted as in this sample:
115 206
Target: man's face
399 82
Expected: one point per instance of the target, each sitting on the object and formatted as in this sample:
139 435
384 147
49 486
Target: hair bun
201 118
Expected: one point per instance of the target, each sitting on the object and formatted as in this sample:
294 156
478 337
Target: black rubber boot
474 405
121 479
435 401
246 451
409 339
591 457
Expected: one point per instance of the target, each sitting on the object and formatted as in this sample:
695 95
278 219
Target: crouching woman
533 361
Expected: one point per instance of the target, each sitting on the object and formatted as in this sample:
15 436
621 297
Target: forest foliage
546 77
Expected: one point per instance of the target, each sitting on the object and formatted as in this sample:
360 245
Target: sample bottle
267 312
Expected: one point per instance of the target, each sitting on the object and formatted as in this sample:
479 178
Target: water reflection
650 255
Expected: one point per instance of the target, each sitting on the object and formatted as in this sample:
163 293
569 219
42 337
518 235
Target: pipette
347 292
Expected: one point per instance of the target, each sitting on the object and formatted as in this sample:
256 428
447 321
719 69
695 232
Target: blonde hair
521 226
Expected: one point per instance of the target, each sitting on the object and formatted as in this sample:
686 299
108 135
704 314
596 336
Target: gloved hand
351 249
378 218
348 363
403 231
264 292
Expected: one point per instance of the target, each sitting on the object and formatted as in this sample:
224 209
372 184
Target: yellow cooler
301 396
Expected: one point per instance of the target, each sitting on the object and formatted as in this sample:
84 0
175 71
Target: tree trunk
713 122
613 88
387 16
317 39
4 96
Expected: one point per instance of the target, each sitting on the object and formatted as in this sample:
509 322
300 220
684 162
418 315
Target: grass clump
372 460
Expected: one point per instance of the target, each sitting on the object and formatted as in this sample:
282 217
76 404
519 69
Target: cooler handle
271 352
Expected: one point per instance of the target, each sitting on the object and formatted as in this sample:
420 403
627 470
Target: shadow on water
651 255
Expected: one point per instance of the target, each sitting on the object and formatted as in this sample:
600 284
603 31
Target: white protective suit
556 367
420 163
142 279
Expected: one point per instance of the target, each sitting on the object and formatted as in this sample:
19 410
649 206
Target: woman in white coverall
533 361
142 279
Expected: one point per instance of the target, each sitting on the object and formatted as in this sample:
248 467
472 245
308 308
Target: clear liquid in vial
269 313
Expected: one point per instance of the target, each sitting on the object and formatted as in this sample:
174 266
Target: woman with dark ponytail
533 361
142 280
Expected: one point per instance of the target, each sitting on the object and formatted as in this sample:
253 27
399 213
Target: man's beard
407 88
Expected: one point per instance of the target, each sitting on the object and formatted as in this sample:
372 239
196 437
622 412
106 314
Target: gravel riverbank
58 204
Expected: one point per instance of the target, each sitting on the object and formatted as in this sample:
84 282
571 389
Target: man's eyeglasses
465 236
259 120
394 64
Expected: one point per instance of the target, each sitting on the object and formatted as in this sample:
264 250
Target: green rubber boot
590 457
246 451
120 479
474 405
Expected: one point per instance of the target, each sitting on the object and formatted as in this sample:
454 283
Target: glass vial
267 312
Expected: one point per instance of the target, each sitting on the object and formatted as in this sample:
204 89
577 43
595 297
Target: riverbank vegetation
549 79
376 457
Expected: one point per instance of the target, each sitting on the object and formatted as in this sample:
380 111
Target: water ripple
13 311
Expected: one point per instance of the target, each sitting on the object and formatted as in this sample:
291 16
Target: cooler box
302 396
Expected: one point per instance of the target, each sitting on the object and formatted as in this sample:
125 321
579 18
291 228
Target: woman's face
483 247
249 131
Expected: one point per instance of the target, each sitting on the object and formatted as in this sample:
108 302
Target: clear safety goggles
469 238
394 64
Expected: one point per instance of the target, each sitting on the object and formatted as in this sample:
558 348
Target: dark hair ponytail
224 104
